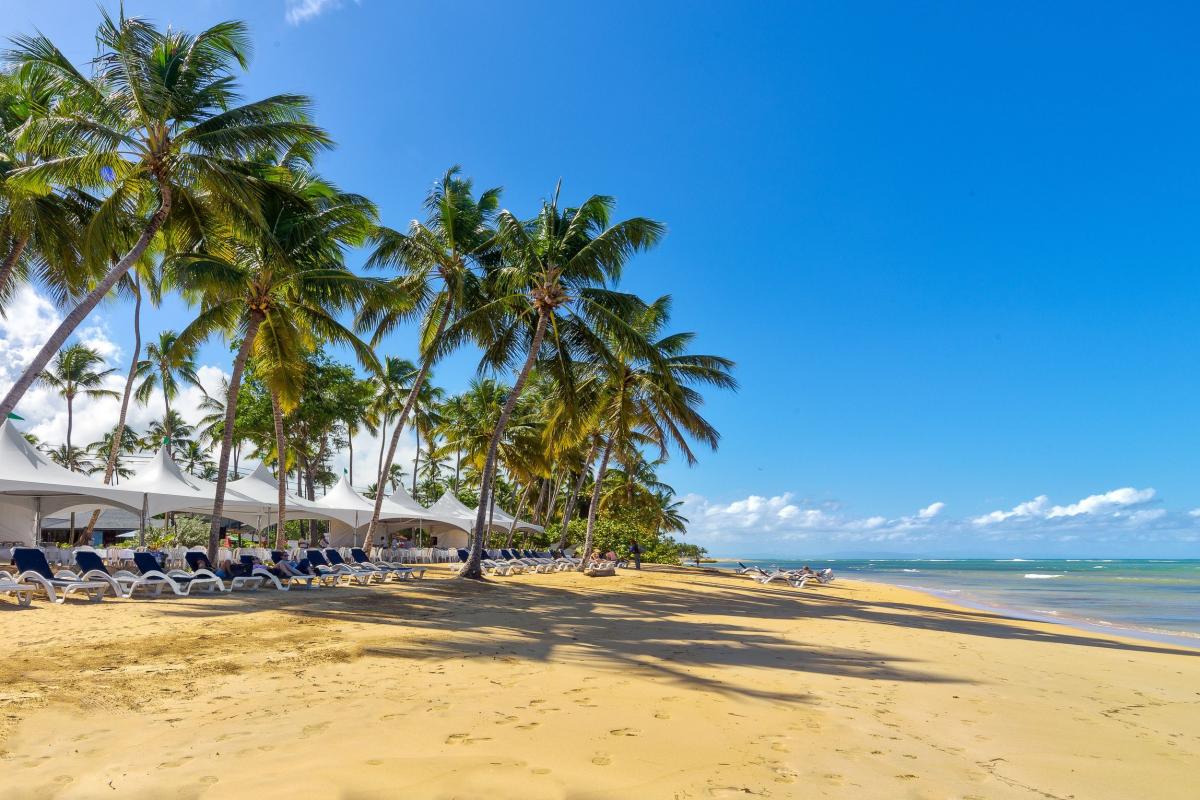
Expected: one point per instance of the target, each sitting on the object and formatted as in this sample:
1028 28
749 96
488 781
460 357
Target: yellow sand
671 684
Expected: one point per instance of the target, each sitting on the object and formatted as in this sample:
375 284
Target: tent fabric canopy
26 472
502 517
261 486
169 488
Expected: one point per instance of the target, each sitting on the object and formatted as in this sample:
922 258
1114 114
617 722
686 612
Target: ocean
1157 599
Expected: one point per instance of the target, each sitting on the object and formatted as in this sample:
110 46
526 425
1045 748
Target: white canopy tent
261 486
31 485
168 488
500 517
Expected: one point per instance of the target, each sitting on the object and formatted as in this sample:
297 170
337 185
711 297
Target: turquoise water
1150 598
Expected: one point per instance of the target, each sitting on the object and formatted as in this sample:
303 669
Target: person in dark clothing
636 552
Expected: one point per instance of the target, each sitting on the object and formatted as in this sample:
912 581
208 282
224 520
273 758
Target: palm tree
668 516
195 459
131 283
425 420
114 467
394 381
77 370
156 130
552 281
454 240
76 459
647 398
168 362
172 432
278 289
38 229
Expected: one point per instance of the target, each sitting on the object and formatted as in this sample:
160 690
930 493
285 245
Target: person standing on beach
636 552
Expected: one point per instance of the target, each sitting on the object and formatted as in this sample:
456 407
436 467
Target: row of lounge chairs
93 579
797 578
514 562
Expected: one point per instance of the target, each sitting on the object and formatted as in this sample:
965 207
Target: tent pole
142 528
37 521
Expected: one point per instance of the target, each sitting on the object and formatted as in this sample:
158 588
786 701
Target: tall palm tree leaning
455 239
133 283
156 131
550 290
278 289
168 362
647 398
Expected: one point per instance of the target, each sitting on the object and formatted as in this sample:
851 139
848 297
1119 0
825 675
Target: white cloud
301 11
1031 508
1112 503
778 525
930 511
1099 503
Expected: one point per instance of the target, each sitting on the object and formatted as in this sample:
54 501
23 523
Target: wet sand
671 683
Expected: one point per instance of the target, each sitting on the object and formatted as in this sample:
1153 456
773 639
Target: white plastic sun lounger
178 581
35 570
122 582
21 592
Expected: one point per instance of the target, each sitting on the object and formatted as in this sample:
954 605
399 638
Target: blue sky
951 249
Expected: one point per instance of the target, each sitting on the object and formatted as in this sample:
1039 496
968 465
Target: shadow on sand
666 631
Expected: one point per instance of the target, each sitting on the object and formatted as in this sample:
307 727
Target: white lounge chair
21 592
35 569
200 566
178 581
123 583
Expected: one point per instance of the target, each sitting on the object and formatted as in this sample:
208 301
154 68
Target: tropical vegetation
146 177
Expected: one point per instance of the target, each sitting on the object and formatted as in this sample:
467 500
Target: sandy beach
671 683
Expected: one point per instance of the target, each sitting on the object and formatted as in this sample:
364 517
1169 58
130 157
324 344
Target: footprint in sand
309 730
625 732
374 762
540 771
730 791
209 779
527 726
601 760
465 738
662 715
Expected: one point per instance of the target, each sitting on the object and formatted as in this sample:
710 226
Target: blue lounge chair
201 566
178 581
339 575
122 582
399 570
33 568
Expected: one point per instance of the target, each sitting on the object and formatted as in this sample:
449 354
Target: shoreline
975 598
671 682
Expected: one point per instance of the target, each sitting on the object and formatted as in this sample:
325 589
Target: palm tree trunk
569 509
382 441
471 569
281 454
70 423
235 384
10 262
595 504
548 511
119 433
80 312
350 444
416 458
385 467
541 501
512 526
457 464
